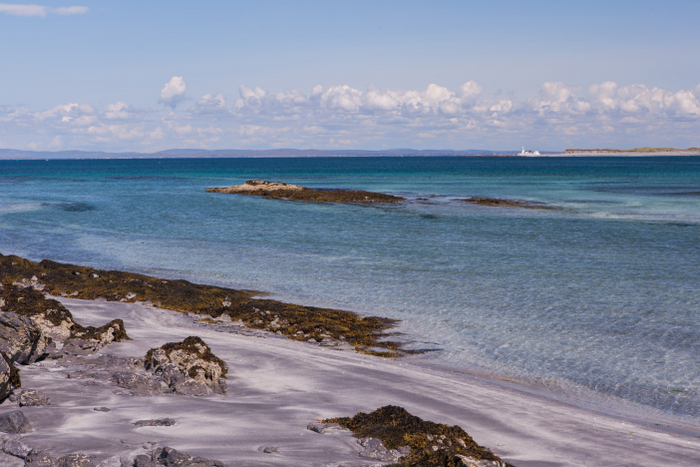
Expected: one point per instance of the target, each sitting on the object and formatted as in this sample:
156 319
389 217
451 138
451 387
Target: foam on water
598 297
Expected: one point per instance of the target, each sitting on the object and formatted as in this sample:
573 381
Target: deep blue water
598 297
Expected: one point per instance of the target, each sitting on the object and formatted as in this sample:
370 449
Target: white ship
525 153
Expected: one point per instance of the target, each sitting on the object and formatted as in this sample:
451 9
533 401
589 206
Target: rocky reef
392 434
285 191
326 326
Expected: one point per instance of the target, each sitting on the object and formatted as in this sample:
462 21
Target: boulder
188 367
14 423
15 447
21 339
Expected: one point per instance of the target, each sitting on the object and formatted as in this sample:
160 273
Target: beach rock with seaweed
188 367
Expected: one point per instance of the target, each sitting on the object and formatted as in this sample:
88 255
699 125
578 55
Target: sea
596 299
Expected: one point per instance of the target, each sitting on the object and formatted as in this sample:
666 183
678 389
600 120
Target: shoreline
277 386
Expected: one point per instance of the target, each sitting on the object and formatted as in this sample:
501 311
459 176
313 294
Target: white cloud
39 10
71 10
173 92
23 10
120 110
342 116
210 104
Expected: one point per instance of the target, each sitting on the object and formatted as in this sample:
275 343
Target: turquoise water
598 298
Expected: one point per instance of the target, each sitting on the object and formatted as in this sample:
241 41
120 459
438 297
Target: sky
124 75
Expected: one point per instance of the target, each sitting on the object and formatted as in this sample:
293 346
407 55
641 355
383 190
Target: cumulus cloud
343 116
173 92
39 10
210 104
610 98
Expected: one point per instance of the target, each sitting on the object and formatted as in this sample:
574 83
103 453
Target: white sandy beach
277 386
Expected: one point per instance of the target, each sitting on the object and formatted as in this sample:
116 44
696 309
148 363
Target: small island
289 192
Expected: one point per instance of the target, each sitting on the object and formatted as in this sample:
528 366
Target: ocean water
597 298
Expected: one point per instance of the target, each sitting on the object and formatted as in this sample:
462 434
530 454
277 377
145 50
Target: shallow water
599 296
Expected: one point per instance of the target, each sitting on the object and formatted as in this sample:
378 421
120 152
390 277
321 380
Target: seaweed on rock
367 334
431 444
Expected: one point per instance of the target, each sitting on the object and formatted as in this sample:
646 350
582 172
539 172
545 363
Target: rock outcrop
188 367
21 339
26 298
285 191
91 339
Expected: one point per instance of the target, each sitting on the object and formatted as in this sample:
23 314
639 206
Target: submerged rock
188 367
506 203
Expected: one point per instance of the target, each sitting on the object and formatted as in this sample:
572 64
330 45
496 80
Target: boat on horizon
525 153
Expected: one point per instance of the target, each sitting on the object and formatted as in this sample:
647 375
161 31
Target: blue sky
145 76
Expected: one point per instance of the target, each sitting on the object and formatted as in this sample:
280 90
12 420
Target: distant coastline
17 154
647 151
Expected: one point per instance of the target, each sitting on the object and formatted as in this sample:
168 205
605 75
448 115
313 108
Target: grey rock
6 383
170 457
33 398
138 384
375 449
75 460
21 339
156 422
317 427
14 422
466 461
144 461
15 447
320 427
76 346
